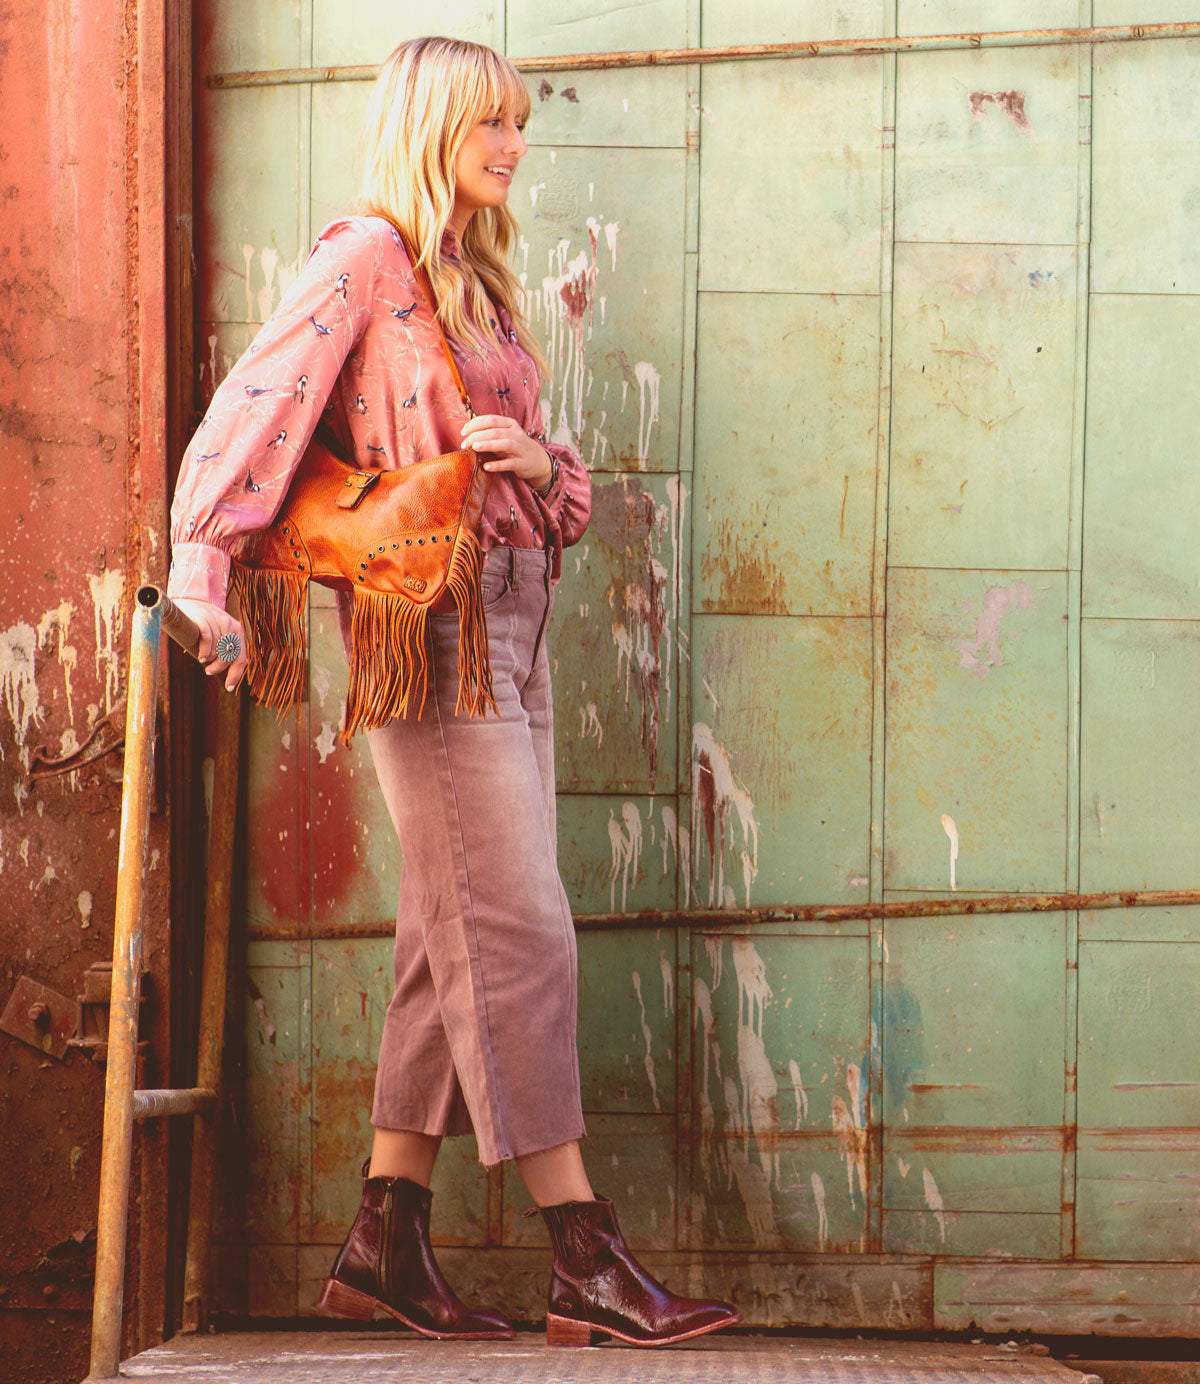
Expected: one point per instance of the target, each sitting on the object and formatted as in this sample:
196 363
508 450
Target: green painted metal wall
885 369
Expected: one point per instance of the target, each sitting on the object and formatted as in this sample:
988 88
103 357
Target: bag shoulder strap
427 289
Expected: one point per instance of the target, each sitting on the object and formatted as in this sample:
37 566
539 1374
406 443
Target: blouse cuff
199 573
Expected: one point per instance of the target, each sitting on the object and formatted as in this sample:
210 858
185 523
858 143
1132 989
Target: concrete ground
352 1357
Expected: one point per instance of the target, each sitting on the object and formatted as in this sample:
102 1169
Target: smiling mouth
504 173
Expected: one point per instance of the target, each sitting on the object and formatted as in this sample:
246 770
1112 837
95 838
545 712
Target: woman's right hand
213 623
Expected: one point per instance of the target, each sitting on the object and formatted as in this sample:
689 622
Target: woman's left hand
511 447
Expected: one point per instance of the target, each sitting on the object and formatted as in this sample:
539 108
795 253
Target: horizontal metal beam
739 918
679 57
149 1104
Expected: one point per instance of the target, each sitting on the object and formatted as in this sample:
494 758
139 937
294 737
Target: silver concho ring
229 648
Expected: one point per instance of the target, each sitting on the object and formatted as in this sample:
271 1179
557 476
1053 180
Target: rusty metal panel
1085 1299
973 1061
1146 205
782 1146
780 774
971 127
1139 1106
983 381
1140 558
976 741
776 140
784 505
1141 753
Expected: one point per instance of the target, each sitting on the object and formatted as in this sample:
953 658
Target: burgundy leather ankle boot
387 1263
598 1286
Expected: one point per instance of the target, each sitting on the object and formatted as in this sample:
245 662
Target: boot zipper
385 1247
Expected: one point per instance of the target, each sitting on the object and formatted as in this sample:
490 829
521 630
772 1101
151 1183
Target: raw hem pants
480 1032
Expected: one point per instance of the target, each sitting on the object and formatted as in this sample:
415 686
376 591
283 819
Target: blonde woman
480 1032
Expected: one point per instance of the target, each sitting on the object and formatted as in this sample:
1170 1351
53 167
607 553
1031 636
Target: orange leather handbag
402 543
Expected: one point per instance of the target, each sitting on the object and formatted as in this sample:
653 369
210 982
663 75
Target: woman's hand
213 623
511 447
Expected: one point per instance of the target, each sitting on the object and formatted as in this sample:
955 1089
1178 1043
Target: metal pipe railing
191 1101
222 821
752 52
154 612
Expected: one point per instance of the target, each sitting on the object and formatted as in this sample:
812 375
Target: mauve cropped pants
480 1032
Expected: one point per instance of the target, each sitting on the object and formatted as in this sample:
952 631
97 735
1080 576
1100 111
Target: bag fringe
274 616
389 650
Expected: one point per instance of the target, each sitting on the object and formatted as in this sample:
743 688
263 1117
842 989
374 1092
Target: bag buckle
357 484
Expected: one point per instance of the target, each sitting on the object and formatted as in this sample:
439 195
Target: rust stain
570 94
1012 103
545 90
751 582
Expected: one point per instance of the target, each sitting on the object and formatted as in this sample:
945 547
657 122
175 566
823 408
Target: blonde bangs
429 96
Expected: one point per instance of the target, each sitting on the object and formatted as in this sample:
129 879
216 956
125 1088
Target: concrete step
352 1357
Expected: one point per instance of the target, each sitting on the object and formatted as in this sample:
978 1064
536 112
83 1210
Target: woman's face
485 166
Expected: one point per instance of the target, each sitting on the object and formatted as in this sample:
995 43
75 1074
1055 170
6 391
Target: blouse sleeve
240 462
569 500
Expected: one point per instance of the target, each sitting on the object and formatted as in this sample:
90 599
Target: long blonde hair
430 94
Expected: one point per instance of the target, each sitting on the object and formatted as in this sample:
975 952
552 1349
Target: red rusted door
89 233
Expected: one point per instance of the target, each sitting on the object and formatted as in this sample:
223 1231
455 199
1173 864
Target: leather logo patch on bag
414 584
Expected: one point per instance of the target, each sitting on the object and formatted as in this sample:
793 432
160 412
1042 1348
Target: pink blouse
354 338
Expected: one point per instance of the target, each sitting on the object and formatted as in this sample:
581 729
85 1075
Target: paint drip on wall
723 812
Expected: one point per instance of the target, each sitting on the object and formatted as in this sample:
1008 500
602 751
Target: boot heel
346 1302
562 1332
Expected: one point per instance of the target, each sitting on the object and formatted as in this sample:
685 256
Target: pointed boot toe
387 1264
597 1286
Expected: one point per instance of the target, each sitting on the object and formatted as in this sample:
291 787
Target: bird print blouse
354 339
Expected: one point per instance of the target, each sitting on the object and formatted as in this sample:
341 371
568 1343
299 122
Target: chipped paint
1011 103
951 831
981 654
108 605
18 682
